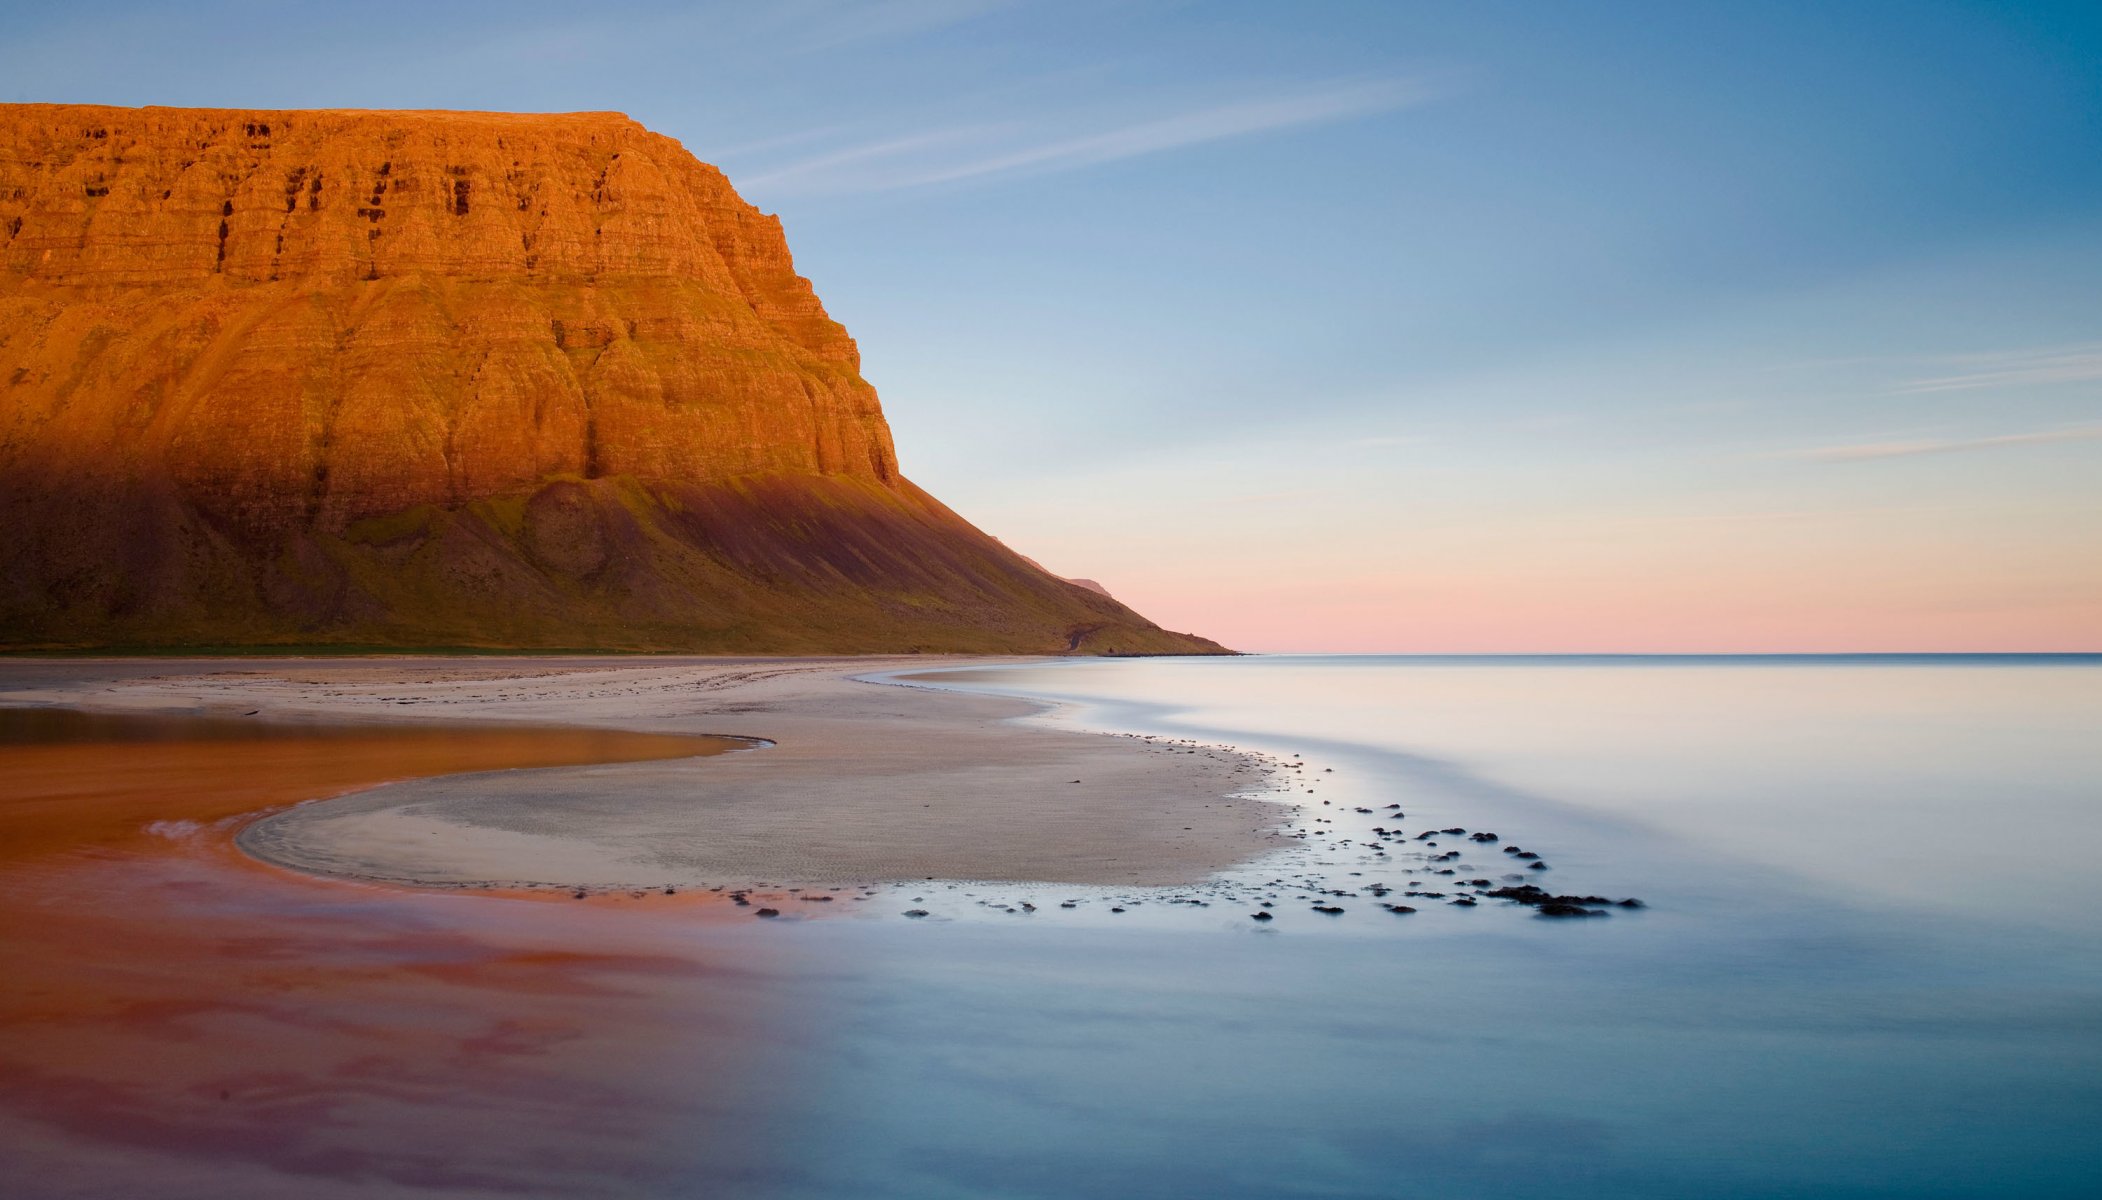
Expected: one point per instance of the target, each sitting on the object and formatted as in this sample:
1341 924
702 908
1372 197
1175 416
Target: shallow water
1870 967
1872 964
179 1020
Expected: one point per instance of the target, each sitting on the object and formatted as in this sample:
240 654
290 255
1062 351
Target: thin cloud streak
896 163
867 152
2020 368
1191 129
719 32
1878 450
839 25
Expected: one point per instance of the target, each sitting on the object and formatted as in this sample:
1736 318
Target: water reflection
180 1020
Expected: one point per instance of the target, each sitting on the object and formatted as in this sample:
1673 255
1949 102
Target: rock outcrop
451 379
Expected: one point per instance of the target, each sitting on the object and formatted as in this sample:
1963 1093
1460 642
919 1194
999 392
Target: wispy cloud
835 25
1875 450
716 35
836 162
772 143
985 151
2015 368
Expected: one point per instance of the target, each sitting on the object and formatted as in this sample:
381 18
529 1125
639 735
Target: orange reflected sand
179 1018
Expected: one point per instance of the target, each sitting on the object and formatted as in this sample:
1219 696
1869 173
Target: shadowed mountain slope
452 379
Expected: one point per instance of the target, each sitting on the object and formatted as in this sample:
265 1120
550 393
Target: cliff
451 379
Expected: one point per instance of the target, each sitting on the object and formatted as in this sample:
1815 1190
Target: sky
1455 327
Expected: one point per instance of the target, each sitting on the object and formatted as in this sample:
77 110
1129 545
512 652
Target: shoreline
863 782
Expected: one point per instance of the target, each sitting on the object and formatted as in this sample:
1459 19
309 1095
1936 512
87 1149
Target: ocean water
1869 965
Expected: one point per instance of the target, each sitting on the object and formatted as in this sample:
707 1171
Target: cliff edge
445 379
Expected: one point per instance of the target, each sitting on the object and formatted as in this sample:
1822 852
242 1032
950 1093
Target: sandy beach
847 781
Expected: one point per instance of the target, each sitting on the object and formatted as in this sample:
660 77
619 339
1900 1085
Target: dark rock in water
1260 916
1516 853
915 912
1116 910
1070 904
1550 905
1631 902
1538 866
581 893
1330 909
1481 837
1463 902
1513 849
1455 831
1399 908
768 912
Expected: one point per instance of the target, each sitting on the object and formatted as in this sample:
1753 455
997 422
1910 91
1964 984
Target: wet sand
182 1020
189 1020
861 782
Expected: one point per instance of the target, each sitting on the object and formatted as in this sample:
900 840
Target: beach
841 782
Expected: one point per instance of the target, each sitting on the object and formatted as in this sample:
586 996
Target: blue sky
1485 326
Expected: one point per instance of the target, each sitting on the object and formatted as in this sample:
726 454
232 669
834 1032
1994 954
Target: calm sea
1870 966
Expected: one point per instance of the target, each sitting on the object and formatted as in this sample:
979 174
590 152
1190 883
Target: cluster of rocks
1551 905
1321 878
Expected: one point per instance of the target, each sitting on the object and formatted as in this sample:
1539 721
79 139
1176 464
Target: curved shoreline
863 783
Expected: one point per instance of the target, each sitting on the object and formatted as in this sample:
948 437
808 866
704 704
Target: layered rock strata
451 379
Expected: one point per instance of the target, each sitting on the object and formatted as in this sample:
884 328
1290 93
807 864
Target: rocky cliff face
477 379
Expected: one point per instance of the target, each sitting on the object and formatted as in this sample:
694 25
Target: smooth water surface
1870 966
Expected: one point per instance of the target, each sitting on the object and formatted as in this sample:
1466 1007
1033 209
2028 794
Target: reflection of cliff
450 378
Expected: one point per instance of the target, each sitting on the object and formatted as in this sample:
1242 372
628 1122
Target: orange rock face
424 378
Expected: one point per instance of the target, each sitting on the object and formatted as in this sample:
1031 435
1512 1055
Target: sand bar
861 782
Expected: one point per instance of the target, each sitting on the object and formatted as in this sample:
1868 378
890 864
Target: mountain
449 379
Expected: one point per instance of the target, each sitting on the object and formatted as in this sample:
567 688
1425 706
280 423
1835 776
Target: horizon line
2093 654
